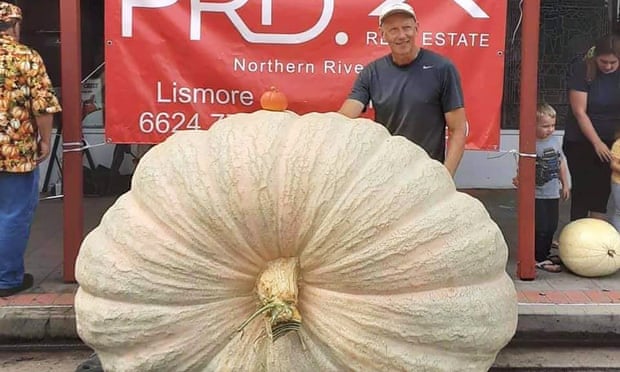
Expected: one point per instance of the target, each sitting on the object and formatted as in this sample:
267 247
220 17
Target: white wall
490 169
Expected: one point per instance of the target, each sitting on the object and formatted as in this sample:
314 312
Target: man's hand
515 181
44 122
44 151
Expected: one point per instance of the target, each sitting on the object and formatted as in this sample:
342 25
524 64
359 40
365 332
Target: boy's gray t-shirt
411 100
548 159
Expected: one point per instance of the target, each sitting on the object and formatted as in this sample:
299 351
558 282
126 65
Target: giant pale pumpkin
590 247
294 243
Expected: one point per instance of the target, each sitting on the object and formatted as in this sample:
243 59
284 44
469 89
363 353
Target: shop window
567 28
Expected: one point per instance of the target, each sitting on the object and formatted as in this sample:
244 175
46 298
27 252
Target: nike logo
426 67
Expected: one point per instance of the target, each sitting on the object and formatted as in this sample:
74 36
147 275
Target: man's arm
44 103
359 96
44 123
351 108
454 113
457 129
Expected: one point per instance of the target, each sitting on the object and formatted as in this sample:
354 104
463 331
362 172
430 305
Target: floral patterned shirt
25 93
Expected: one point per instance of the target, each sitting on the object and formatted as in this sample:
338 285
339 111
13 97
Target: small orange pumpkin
273 100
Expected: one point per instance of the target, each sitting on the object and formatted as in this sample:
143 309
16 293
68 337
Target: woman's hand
602 151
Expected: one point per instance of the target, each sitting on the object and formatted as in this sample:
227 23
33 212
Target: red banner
183 64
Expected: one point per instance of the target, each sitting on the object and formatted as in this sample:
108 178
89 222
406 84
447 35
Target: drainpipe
71 69
526 265
612 8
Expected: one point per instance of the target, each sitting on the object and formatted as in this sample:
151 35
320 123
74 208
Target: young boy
551 185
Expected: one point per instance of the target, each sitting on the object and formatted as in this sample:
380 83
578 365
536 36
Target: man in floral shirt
27 105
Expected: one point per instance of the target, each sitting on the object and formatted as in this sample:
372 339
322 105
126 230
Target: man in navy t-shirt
416 93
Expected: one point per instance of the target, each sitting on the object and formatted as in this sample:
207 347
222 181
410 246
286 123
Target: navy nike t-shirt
411 100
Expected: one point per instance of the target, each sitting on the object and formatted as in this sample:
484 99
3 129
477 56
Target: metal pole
526 268
71 68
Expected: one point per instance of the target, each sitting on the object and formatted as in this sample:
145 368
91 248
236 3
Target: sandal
555 259
548 266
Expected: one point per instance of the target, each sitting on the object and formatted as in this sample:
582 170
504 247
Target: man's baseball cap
9 12
402 8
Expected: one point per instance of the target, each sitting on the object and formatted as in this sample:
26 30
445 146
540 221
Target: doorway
41 31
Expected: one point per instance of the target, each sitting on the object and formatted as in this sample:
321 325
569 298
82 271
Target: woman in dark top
594 96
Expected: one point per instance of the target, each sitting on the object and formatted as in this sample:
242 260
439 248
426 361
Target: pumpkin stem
258 312
277 292
611 253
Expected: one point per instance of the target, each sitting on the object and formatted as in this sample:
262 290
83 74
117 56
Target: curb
27 323
568 319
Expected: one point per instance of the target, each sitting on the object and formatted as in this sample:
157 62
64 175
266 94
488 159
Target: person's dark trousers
590 178
547 213
19 196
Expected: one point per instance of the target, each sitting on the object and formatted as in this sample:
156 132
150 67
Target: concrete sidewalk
555 303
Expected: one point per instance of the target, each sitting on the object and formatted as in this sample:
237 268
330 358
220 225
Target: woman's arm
578 103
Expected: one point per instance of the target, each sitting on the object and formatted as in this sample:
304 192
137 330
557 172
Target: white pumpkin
590 247
357 246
